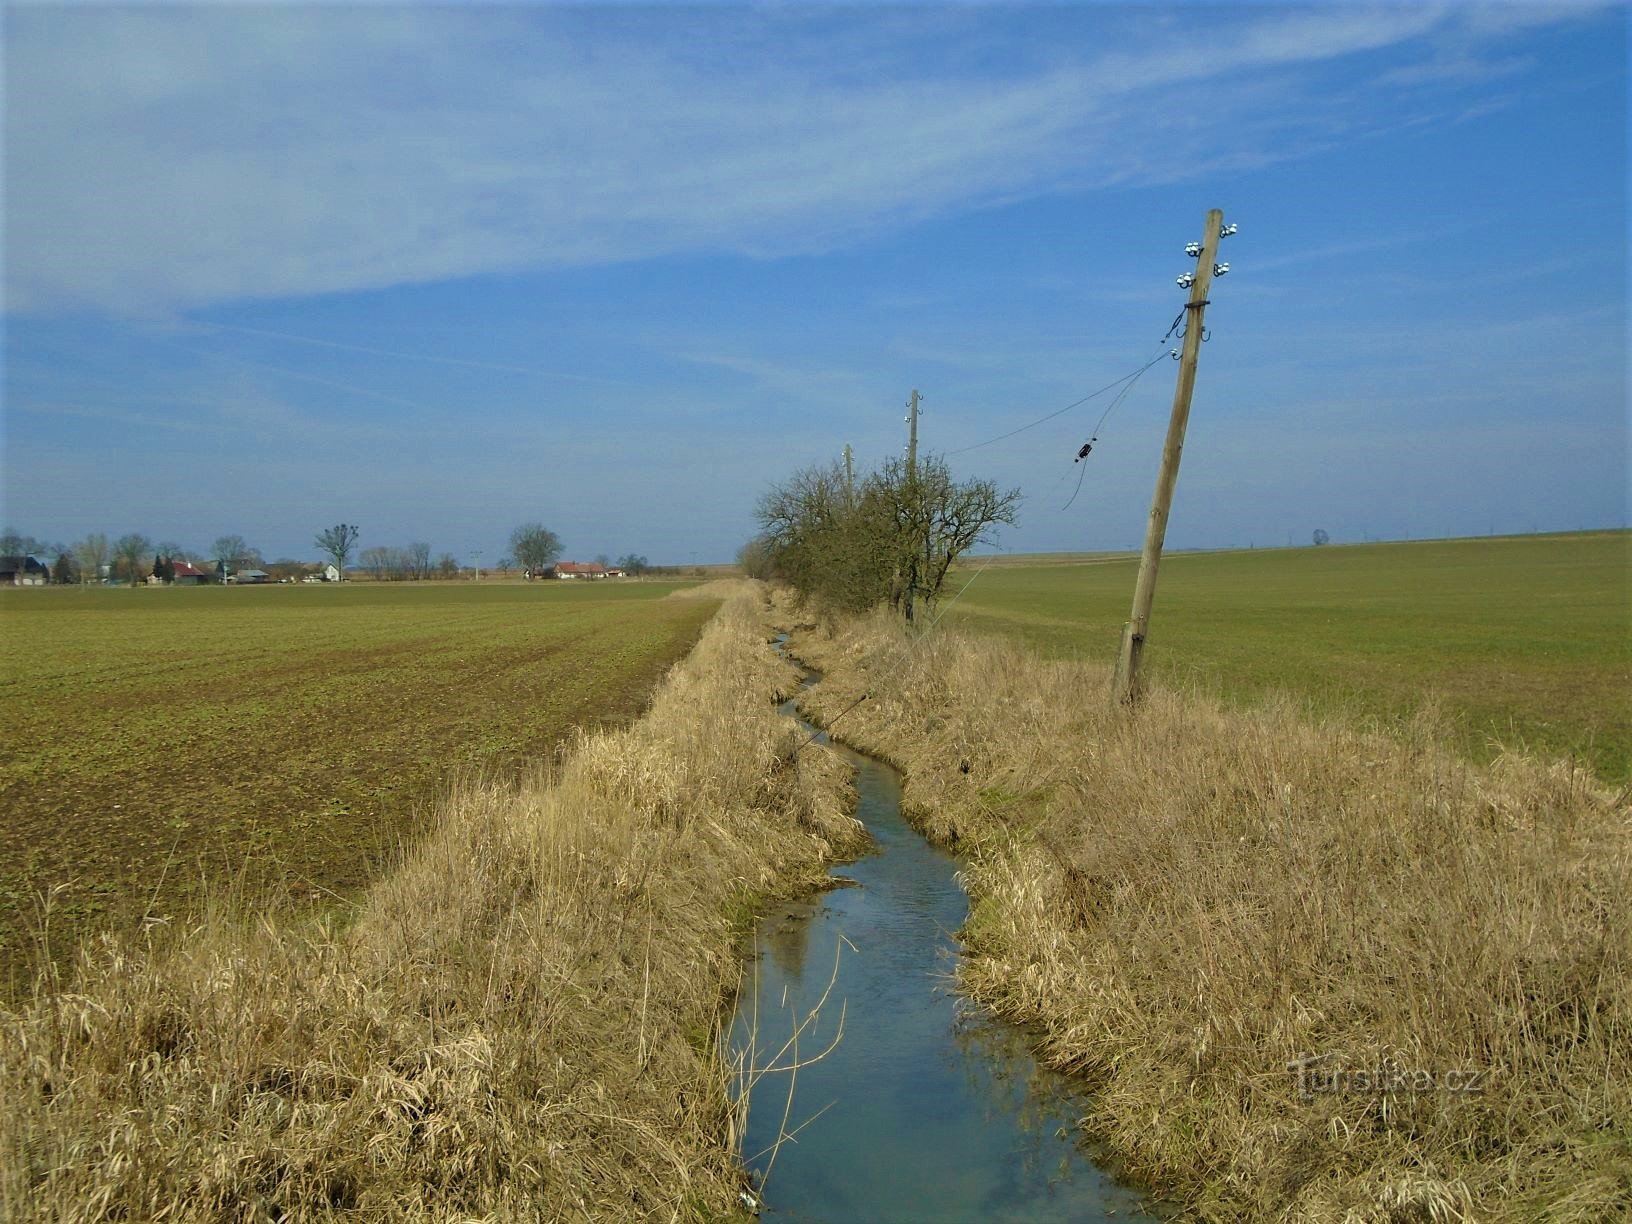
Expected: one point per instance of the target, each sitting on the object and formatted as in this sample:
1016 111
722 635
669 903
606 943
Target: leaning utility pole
1126 683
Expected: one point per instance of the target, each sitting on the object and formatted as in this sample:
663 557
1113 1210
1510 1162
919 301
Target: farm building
573 569
24 571
253 577
187 574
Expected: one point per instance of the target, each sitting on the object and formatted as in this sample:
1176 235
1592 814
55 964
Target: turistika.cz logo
1322 1073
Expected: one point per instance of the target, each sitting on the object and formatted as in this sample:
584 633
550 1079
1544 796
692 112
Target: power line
1094 437
1061 412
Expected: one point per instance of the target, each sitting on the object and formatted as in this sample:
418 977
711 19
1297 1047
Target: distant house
24 571
573 569
188 574
252 577
614 572
329 574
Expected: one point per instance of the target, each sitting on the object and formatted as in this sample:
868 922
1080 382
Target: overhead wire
1094 437
1043 420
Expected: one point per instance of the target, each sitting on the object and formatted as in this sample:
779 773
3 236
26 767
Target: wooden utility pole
912 489
849 479
912 434
1126 684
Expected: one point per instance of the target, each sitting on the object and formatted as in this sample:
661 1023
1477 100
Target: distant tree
287 568
602 560
419 560
337 542
231 550
164 568
447 565
93 552
534 546
506 564
755 558
129 553
63 571
14 544
894 542
376 560
175 552
1321 537
633 563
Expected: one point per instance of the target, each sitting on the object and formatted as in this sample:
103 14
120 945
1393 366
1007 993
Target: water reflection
925 1109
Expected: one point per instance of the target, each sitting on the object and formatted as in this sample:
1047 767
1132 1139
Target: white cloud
162 158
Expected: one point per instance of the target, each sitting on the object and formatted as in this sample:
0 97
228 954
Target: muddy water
910 1105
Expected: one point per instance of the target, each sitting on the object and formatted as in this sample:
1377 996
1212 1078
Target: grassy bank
285 735
1193 903
1522 642
518 1023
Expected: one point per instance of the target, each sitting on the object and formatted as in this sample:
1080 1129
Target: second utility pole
912 489
1126 684
912 434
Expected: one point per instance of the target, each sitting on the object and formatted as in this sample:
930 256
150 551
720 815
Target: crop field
157 742
1523 642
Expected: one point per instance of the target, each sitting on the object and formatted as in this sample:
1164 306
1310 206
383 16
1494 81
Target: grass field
1524 641
284 736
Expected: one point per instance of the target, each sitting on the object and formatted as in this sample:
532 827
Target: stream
909 1103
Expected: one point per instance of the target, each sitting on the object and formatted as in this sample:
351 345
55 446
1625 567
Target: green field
1523 640
282 736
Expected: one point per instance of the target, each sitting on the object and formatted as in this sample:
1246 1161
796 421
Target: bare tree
337 542
756 559
130 553
235 553
92 553
419 560
534 546
938 519
376 561
894 542
15 544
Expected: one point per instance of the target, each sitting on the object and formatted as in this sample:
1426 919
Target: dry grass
519 1023
1190 900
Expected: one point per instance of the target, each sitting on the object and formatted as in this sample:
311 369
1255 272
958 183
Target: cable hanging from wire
1062 411
1088 446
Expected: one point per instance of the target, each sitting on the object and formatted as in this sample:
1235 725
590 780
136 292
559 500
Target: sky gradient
438 271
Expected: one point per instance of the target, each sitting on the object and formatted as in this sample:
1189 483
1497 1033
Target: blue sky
438 271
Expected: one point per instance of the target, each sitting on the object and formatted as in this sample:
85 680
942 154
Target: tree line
890 538
133 557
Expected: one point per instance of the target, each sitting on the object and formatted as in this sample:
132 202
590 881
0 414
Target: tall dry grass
518 1023
1188 901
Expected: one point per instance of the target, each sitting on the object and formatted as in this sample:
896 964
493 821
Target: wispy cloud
398 354
166 158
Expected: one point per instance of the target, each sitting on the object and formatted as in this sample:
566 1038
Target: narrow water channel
919 1107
